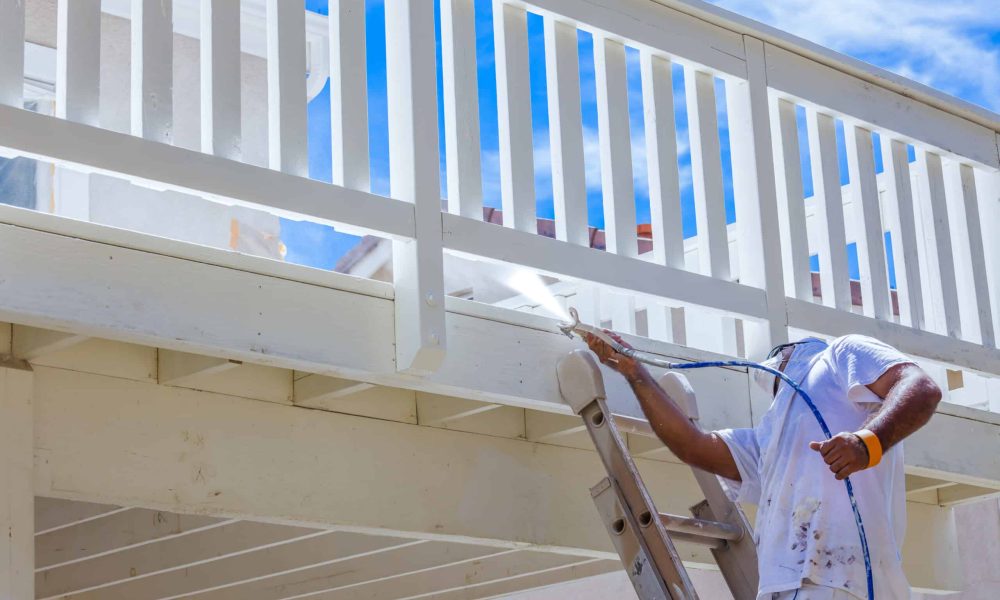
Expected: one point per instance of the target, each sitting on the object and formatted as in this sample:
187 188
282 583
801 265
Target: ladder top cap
580 379
680 391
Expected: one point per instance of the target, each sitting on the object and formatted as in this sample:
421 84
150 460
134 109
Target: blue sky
919 39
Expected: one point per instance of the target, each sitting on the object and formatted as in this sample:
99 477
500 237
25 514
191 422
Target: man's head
784 356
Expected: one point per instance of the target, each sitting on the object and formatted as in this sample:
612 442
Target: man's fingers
844 472
839 464
817 446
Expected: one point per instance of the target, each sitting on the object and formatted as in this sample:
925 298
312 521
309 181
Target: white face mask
799 354
764 379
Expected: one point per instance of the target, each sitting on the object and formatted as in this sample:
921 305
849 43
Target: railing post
153 70
286 87
221 127
12 53
902 225
461 108
78 60
418 264
756 198
349 95
833 273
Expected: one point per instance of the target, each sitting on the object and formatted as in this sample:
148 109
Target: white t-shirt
805 528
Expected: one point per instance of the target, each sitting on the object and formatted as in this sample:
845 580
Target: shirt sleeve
743 446
861 360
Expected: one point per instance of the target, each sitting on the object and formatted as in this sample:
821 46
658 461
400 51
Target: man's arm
909 399
705 450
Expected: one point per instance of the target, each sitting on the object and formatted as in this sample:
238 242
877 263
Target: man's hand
845 453
629 367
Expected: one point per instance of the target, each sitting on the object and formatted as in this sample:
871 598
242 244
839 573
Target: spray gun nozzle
569 328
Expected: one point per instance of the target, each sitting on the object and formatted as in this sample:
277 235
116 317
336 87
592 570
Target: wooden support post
706 173
12 53
661 155
286 87
349 95
517 163
870 236
756 206
616 147
153 70
461 108
569 182
902 227
418 264
221 127
17 496
833 273
78 60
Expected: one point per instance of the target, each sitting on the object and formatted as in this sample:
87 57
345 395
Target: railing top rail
831 58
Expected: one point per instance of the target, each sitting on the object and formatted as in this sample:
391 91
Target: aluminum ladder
644 537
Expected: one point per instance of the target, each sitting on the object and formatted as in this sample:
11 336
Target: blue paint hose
577 327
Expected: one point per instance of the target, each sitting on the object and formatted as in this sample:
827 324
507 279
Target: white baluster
870 238
152 70
902 225
349 95
12 53
967 229
221 127
791 200
461 108
666 323
833 273
661 158
569 182
78 60
418 266
706 173
937 235
616 147
517 164
286 87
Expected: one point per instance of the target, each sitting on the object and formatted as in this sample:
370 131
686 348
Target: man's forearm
688 442
907 407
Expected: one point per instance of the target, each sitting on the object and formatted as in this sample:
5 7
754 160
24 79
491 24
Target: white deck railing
947 275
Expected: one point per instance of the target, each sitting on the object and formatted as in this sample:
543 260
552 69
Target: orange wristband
873 444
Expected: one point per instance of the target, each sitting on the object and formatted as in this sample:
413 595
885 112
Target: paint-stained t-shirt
805 529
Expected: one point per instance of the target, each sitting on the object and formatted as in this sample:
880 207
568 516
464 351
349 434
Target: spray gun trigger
570 327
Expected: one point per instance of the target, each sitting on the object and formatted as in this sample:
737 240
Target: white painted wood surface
569 180
418 266
833 272
791 200
706 173
461 108
17 486
220 59
937 237
175 168
661 157
970 231
286 88
78 60
849 96
12 53
349 94
29 343
900 211
755 197
614 133
517 164
868 215
152 83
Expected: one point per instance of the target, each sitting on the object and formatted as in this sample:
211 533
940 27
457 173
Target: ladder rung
712 530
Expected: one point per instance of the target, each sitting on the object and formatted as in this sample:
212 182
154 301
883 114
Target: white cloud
941 44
